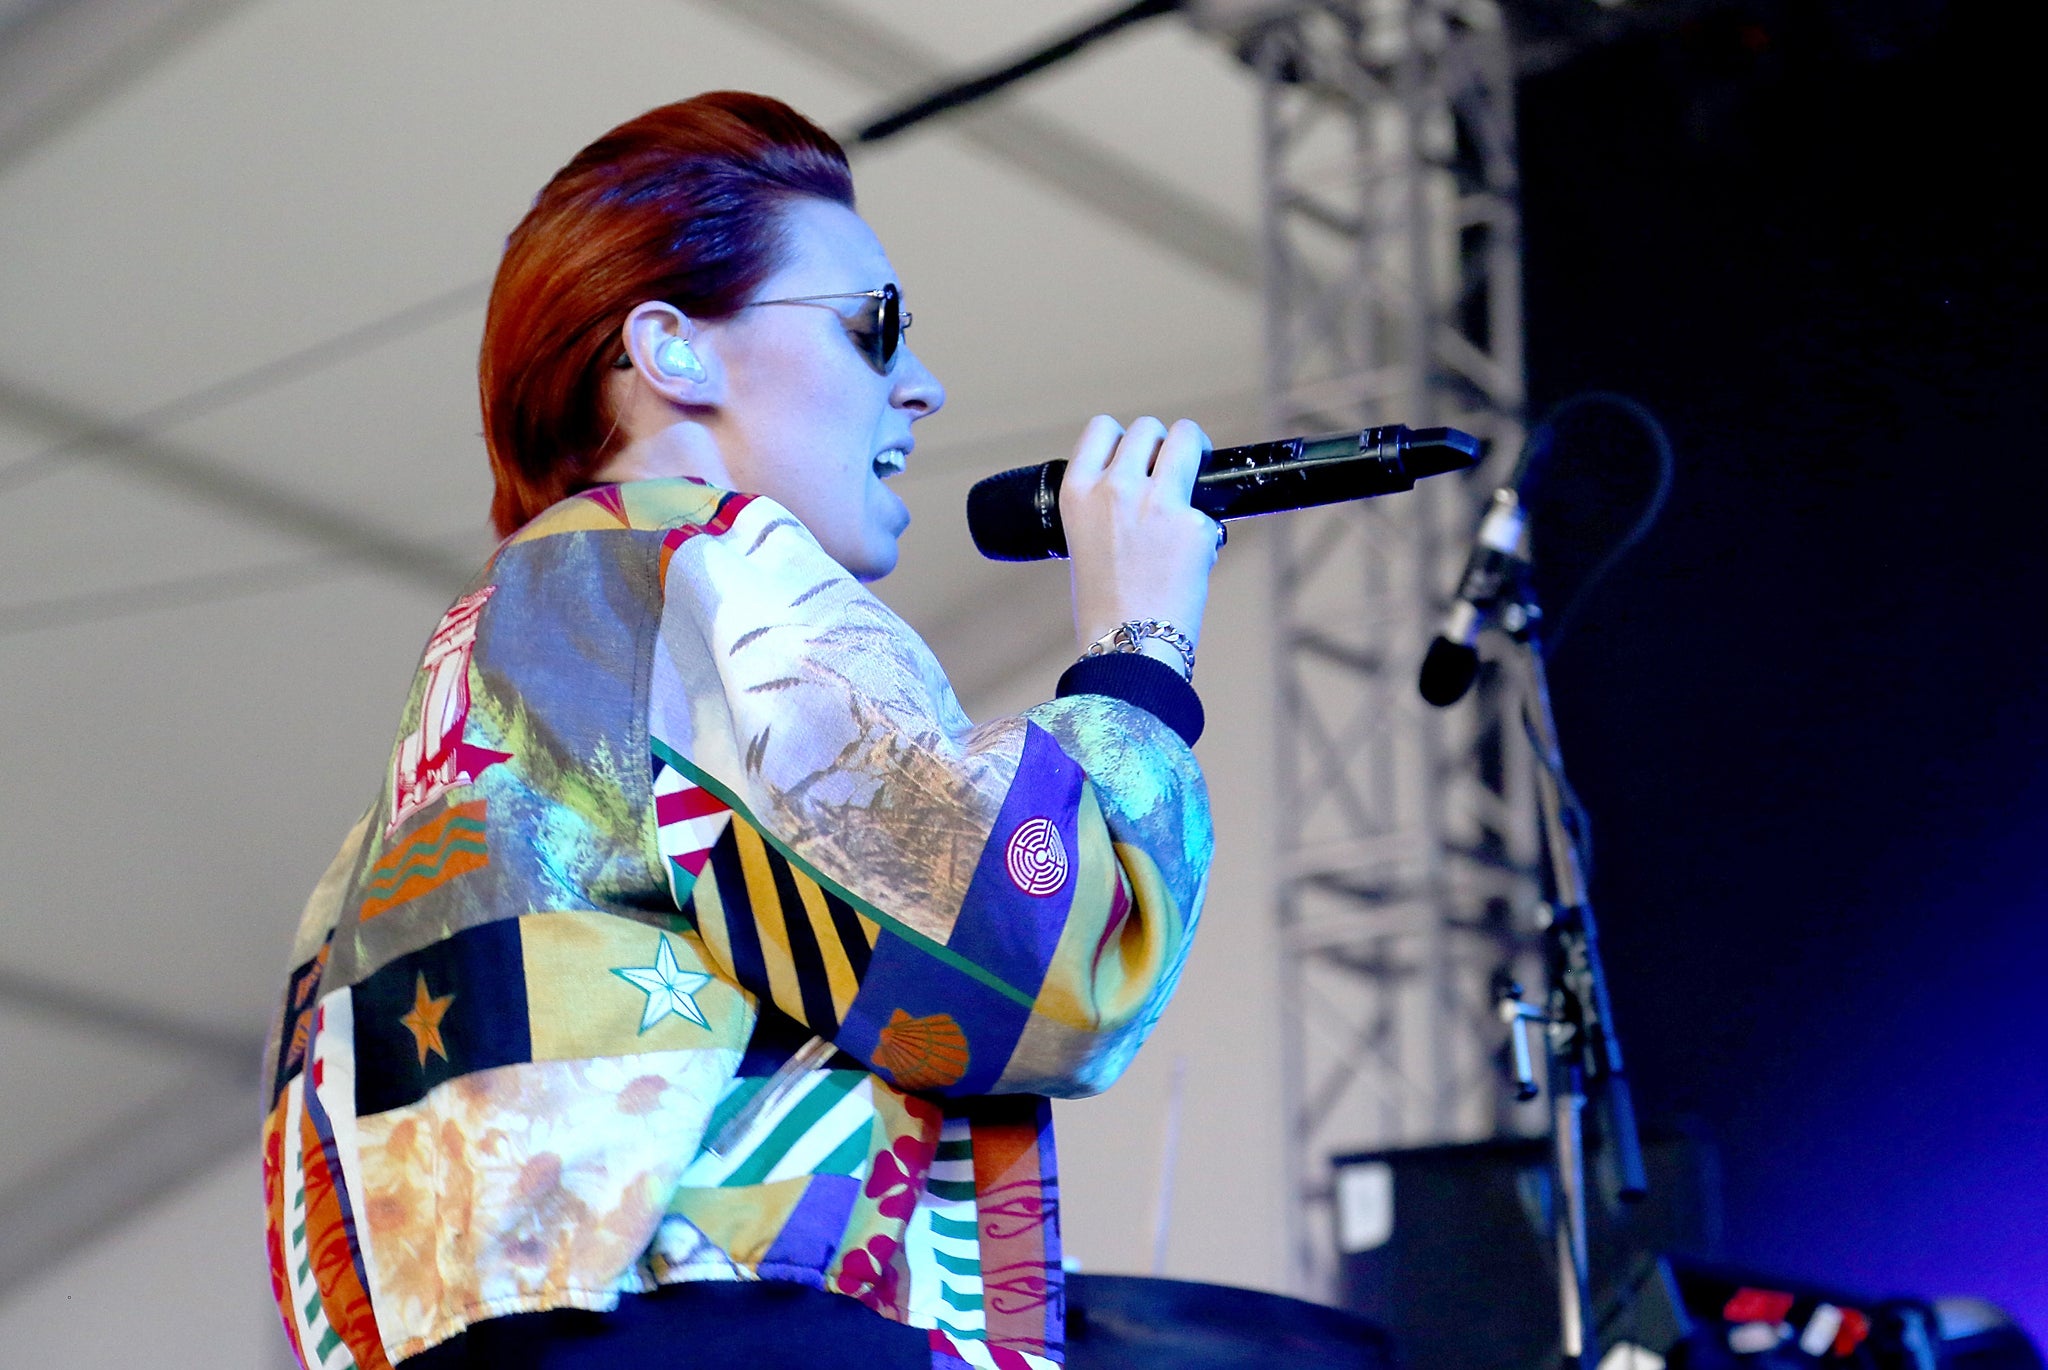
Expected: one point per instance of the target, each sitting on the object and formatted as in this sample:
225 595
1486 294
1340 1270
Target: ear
655 323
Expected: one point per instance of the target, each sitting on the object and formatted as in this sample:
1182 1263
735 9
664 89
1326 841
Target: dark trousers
708 1325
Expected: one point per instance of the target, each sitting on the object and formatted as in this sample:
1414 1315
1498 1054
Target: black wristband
1138 679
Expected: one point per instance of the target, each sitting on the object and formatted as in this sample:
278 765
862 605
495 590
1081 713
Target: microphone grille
1005 518
1448 670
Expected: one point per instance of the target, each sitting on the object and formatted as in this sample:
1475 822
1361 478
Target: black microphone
1015 515
1452 662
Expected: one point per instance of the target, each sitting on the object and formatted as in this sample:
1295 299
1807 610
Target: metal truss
1407 838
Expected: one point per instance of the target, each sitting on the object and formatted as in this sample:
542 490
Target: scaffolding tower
1407 836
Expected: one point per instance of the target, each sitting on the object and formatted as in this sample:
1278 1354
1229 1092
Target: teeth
889 463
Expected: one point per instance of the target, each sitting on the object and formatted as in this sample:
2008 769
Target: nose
914 387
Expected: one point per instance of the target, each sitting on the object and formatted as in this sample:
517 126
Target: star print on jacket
668 987
424 1022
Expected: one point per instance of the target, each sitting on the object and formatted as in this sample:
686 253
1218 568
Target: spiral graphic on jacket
1036 857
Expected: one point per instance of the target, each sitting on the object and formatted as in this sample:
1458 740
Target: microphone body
1015 515
1452 662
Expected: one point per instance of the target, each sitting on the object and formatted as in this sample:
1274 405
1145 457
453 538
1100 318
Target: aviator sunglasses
876 326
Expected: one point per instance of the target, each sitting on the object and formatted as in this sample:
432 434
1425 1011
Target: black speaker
1450 1247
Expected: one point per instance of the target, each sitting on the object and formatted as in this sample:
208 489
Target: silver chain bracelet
1127 636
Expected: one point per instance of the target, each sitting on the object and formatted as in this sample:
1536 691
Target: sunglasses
876 325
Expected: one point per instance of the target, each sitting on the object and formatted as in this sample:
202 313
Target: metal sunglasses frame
882 296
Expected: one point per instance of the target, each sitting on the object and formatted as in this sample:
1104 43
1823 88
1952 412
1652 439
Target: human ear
663 345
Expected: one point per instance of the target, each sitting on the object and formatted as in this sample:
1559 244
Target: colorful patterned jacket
697 934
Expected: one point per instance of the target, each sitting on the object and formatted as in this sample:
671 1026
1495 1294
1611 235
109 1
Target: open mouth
890 462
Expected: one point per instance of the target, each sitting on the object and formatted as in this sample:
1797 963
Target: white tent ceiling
243 251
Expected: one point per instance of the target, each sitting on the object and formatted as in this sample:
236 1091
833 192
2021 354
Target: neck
664 441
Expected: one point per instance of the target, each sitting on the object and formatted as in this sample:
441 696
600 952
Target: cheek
837 441
817 421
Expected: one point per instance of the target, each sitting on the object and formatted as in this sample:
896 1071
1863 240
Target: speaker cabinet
1450 1247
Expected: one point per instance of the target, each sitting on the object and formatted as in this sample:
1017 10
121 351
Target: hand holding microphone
1139 551
1141 513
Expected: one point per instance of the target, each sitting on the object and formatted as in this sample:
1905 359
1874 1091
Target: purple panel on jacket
927 1025
1023 887
811 1237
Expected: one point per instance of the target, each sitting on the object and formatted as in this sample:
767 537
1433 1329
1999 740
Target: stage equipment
1452 662
1125 1322
1450 1248
1695 1316
1583 1058
1583 1051
1015 515
1407 836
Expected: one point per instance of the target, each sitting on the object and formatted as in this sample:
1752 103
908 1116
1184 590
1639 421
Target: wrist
1157 638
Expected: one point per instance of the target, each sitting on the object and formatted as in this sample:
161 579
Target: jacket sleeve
967 910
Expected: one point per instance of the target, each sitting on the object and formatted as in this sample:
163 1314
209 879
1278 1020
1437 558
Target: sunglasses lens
876 328
890 333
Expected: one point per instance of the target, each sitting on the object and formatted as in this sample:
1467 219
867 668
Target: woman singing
692 991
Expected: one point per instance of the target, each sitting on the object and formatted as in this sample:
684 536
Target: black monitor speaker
1449 1247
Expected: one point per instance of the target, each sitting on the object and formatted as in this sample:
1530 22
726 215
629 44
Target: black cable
1577 821
1539 442
980 87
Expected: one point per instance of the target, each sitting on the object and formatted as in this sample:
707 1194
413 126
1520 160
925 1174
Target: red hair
681 204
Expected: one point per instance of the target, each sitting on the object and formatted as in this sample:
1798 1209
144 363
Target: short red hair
682 204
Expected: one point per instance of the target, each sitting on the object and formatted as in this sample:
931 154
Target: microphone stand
1583 1055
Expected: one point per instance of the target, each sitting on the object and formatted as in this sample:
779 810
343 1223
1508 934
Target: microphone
1015 515
1452 662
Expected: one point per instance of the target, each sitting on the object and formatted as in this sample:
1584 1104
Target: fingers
1096 446
1179 459
1168 459
1132 464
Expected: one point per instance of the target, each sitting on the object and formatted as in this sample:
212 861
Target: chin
871 571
